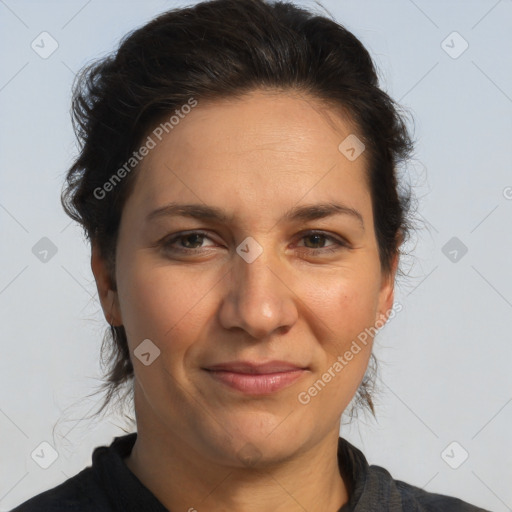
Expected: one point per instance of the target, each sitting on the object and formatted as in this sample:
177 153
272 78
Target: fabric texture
109 486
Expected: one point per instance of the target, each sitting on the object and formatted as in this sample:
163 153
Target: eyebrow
213 213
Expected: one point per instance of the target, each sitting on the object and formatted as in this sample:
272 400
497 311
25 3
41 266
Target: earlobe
114 313
387 293
106 289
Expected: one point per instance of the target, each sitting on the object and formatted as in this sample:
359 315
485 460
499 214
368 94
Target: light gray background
445 358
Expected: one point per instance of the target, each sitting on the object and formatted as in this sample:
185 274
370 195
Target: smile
257 383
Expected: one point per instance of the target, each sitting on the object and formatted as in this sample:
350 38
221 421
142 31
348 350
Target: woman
237 183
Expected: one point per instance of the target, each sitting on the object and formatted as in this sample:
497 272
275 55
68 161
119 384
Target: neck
182 478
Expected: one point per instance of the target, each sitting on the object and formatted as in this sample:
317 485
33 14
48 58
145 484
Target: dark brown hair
222 49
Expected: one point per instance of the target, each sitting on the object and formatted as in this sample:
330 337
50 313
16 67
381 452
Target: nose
258 298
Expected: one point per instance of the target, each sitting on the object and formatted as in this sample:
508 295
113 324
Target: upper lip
254 367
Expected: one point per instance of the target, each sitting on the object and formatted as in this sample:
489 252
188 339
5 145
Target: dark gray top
108 485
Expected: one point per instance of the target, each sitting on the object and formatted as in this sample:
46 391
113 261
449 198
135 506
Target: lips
256 378
259 368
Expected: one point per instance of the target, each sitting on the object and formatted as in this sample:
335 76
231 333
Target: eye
194 238
318 236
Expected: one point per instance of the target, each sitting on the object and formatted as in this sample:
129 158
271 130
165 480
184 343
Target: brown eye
316 238
319 238
192 238
187 243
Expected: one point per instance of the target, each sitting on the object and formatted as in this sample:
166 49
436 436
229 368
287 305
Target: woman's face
254 287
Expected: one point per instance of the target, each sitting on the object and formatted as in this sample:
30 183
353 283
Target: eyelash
339 244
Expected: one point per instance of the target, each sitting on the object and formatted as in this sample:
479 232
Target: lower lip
257 384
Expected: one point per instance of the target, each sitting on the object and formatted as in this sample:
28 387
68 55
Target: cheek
163 305
344 308
346 303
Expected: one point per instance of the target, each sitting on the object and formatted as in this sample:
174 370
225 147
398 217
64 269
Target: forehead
266 143
260 120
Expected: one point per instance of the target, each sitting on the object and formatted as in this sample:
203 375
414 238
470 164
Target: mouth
257 378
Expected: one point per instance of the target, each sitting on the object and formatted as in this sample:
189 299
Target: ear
387 292
107 291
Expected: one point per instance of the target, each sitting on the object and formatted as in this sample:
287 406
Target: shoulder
80 493
414 498
95 489
373 487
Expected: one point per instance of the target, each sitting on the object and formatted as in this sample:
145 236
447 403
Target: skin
255 157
